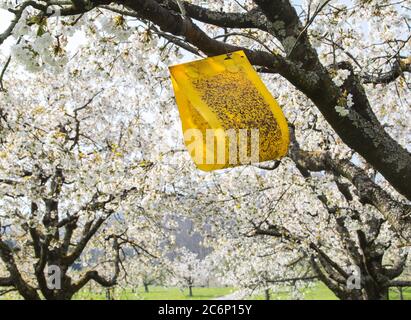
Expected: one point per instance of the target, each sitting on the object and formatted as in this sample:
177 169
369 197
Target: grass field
318 292
160 293
321 292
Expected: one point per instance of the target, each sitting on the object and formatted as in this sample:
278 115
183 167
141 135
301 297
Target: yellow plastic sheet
229 118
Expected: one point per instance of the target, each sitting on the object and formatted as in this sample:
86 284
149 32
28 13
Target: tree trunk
267 294
190 290
374 291
64 295
146 288
377 294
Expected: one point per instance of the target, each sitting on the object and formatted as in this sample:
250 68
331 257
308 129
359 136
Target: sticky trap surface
225 93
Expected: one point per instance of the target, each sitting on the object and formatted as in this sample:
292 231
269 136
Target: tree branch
397 70
17 280
366 136
312 278
400 283
94 275
397 213
6 282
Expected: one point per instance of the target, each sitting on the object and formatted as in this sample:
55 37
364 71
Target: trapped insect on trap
229 118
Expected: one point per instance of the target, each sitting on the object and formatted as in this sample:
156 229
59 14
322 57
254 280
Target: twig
3 71
317 11
18 13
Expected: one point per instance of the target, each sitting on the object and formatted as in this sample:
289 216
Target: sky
5 18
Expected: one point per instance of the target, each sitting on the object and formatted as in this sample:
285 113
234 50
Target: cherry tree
146 271
339 69
72 175
253 267
188 270
279 227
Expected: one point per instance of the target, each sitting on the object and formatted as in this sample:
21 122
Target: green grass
158 293
395 295
317 292
321 292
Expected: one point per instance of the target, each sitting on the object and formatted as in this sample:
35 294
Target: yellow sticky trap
229 118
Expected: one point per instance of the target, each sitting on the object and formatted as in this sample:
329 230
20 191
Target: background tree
146 272
188 270
260 266
72 178
282 226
